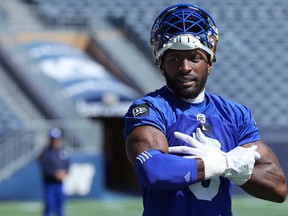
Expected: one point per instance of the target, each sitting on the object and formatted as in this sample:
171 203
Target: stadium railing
25 145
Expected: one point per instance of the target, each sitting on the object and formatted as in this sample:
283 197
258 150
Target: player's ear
161 66
209 69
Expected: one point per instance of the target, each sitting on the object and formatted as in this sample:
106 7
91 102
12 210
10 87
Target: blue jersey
227 122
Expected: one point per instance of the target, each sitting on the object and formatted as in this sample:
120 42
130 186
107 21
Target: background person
54 162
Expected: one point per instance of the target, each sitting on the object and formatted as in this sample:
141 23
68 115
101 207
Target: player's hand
241 163
183 151
215 161
60 175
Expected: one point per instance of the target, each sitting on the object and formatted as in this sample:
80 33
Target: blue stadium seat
251 56
9 121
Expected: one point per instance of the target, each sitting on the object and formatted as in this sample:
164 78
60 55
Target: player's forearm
267 182
163 171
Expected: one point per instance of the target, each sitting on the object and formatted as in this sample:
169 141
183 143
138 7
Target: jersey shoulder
234 112
154 109
158 100
227 105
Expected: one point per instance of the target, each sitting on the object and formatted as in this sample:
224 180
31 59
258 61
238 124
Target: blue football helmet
183 27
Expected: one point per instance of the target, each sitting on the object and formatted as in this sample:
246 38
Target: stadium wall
85 180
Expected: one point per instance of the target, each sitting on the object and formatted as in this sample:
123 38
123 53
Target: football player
189 146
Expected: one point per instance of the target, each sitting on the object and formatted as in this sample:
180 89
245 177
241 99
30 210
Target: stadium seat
9 122
251 48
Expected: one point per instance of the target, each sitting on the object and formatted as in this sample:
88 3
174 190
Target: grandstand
114 35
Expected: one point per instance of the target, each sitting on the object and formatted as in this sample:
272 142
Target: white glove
237 165
215 162
241 162
184 151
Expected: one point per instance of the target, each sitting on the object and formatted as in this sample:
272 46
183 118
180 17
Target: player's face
186 72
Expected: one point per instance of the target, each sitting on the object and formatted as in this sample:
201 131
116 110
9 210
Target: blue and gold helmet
184 27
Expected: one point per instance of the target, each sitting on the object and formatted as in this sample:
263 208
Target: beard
189 92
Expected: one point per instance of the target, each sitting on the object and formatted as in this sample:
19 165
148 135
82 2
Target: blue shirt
225 121
51 160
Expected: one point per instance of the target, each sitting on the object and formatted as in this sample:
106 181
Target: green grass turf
242 206
249 206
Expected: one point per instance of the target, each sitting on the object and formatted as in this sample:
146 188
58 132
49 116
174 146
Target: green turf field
132 207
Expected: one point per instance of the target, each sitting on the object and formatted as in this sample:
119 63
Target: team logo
141 110
202 119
